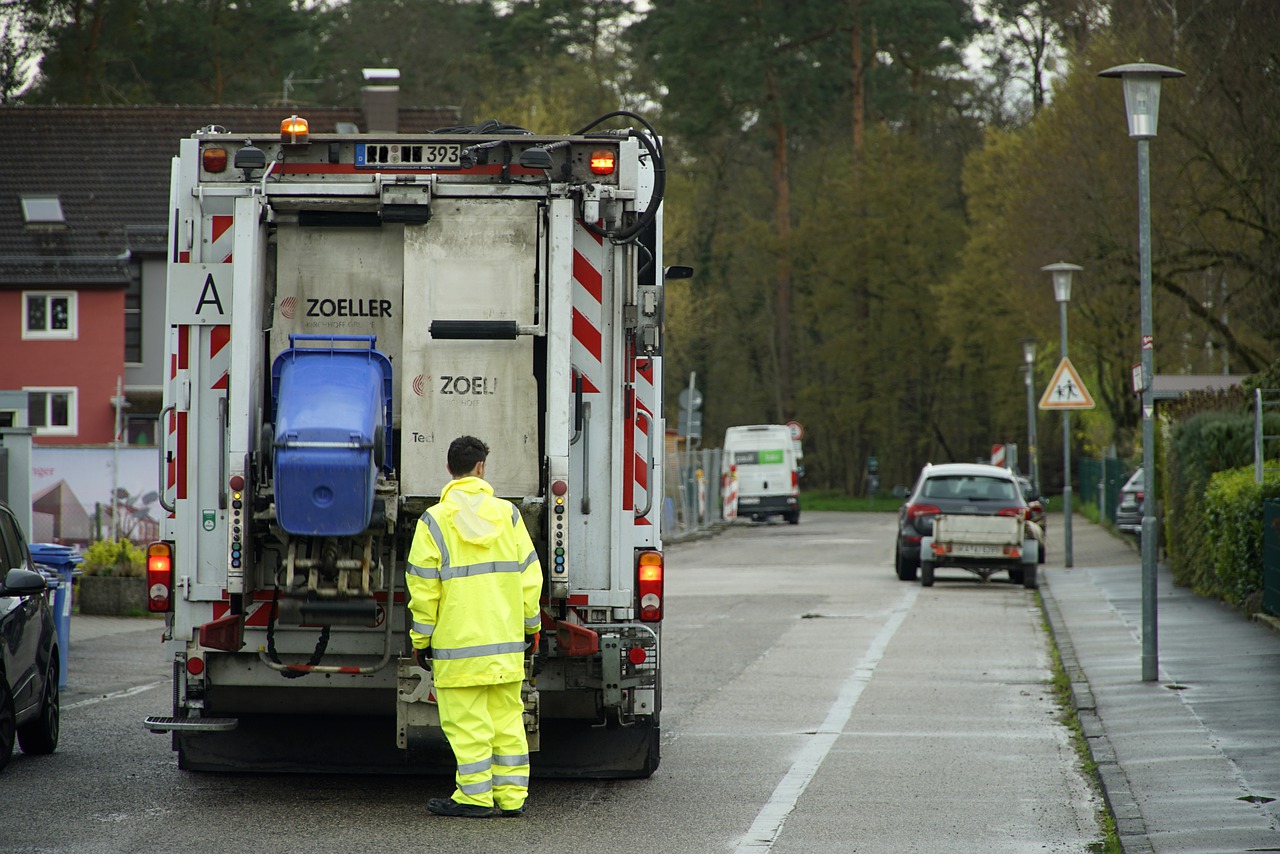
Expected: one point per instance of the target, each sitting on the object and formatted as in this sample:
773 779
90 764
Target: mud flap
576 749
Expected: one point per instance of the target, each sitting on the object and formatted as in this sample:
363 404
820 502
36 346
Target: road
813 703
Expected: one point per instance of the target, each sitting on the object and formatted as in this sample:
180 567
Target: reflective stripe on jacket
474 582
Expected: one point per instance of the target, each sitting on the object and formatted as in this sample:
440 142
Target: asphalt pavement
1189 762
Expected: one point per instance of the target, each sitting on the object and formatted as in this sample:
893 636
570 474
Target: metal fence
1100 482
692 489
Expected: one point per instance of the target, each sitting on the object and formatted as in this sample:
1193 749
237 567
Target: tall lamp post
1062 293
1033 456
1142 107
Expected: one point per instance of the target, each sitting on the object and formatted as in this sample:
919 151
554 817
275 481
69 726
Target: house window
42 210
52 411
141 429
49 315
133 317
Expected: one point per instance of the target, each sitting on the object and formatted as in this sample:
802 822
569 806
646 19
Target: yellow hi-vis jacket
474 583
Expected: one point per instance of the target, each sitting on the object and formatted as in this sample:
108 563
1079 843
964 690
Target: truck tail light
159 577
603 162
795 482
1016 512
649 586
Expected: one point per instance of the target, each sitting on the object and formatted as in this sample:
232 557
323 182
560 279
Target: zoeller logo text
348 308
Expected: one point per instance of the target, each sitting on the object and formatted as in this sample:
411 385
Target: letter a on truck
341 306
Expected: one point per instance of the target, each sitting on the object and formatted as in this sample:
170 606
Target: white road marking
114 695
767 827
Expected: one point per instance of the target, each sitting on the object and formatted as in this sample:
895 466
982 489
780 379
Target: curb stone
1116 791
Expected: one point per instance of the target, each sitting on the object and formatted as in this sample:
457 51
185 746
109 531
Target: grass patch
831 499
1060 686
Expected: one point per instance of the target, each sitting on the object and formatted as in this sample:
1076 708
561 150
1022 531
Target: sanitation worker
474 582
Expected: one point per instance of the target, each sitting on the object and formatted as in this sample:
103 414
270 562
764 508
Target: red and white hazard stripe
587 350
219 356
730 488
646 437
216 239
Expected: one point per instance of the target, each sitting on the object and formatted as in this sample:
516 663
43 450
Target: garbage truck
341 306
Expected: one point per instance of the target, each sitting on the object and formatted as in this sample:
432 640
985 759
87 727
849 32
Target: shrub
1232 565
115 557
1202 444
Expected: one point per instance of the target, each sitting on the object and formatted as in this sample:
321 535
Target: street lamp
1033 457
1062 293
1142 106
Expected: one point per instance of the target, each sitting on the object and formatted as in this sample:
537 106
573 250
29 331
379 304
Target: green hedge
1232 566
1203 444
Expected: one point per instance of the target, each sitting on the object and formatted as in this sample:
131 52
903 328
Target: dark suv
973 489
29 709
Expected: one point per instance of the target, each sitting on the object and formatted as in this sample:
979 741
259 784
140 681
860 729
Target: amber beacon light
294 130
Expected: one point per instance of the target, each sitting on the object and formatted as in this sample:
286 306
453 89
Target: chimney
381 99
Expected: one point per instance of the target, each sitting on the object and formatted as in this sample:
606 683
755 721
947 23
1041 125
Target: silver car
1129 510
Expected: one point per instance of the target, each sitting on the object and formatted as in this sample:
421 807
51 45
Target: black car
965 488
29 710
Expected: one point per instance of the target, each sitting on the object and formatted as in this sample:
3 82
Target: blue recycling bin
60 561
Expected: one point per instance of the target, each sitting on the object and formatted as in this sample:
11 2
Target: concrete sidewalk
85 627
1191 762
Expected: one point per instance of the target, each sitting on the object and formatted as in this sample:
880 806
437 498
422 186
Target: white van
760 473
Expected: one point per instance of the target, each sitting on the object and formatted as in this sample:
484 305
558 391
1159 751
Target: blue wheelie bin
62 562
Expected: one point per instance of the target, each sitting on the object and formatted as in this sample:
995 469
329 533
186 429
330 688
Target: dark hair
464 453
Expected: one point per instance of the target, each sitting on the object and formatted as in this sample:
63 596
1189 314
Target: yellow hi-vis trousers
485 728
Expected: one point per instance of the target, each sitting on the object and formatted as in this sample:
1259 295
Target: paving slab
1190 763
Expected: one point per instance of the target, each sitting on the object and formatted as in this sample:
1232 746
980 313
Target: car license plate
976 550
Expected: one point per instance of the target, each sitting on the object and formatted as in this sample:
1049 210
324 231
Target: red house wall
90 363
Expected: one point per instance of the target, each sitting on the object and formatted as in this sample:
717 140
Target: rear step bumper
160 724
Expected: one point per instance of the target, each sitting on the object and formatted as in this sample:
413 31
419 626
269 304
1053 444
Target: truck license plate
409 155
976 550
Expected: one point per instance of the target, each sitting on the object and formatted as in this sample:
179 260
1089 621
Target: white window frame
71 333
71 428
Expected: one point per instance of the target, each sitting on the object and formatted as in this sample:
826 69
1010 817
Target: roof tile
109 166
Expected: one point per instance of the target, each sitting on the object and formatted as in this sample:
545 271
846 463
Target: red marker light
214 159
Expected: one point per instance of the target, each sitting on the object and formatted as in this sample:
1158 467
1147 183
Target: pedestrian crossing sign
1066 390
